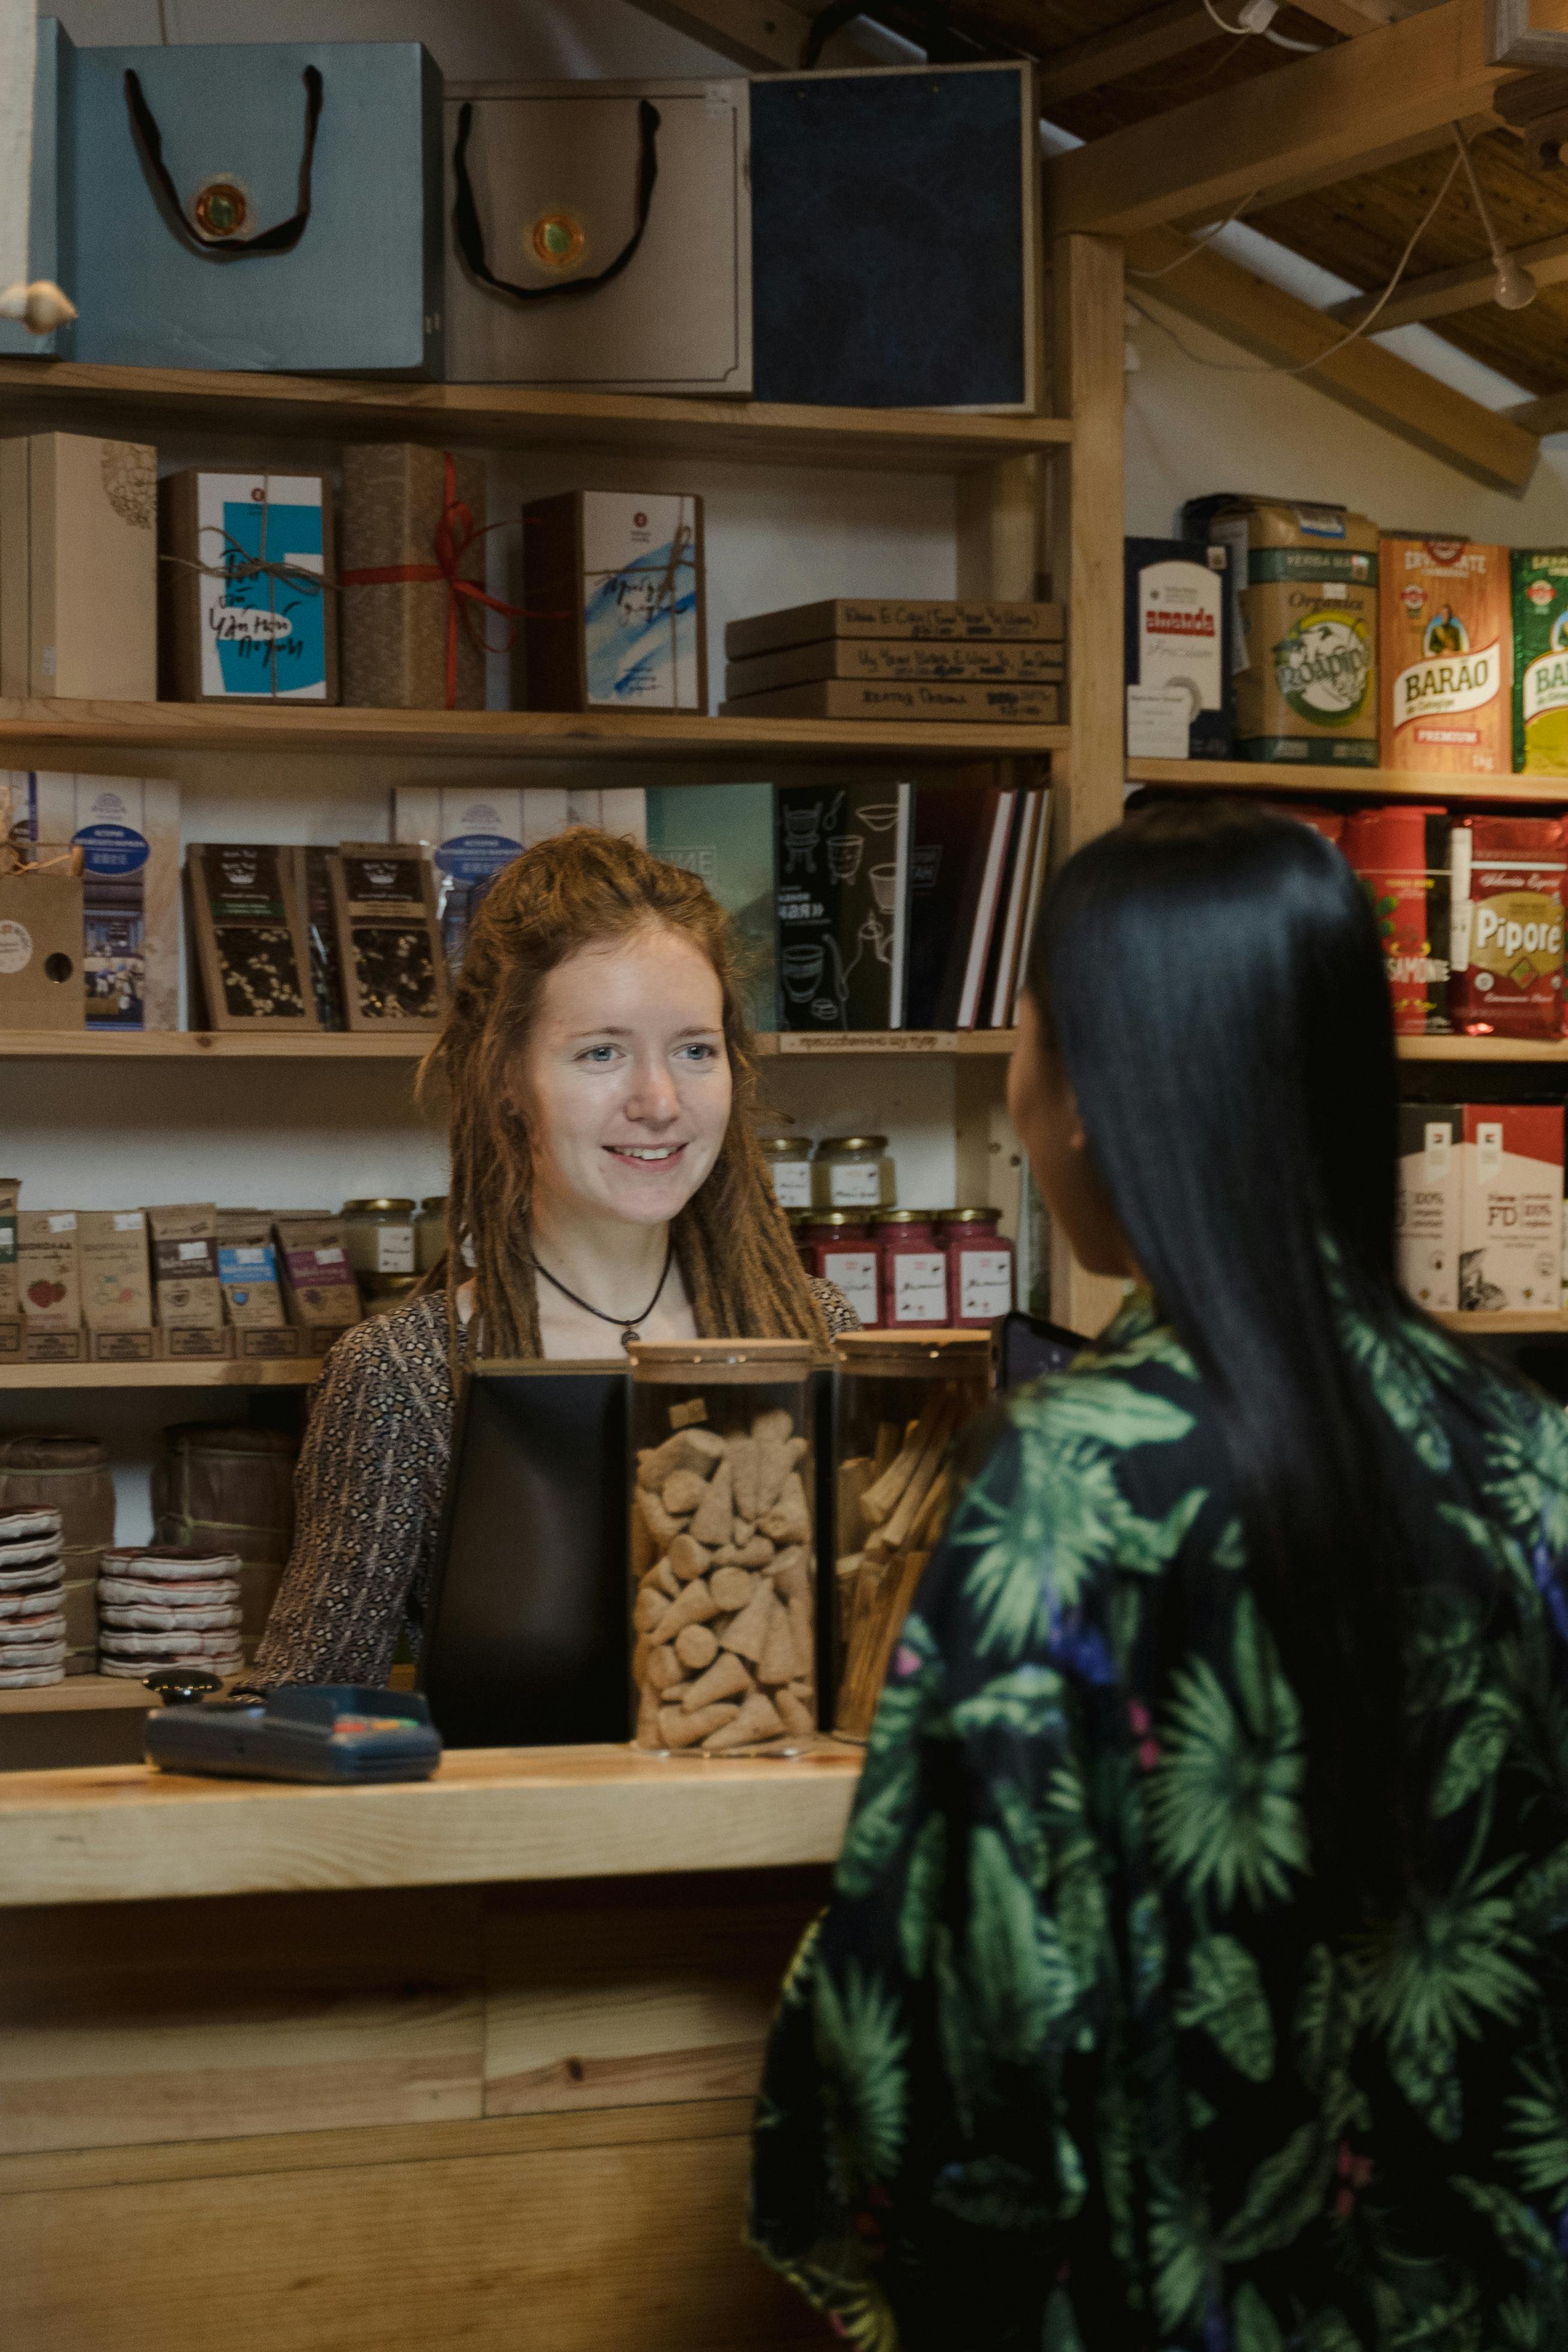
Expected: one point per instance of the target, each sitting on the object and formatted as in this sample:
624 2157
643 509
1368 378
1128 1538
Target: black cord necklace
629 1328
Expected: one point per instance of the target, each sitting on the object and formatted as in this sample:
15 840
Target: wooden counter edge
128 1835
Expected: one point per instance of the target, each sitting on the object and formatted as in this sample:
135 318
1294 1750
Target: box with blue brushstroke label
616 605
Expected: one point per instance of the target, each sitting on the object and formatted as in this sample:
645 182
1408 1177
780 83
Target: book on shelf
843 897
1004 702
723 833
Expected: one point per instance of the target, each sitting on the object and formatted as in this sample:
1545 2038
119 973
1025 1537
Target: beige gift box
79 568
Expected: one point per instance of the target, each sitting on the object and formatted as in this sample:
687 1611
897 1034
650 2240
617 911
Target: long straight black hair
1212 978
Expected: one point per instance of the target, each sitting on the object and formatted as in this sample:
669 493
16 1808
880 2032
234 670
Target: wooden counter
467 2063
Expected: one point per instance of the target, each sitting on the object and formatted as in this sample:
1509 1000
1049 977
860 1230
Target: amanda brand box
1511 1251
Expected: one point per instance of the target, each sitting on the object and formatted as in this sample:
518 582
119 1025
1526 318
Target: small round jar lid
786 1147
433 1201
837 1216
940 1353
727 1362
965 1216
831 1144
365 1208
900 1216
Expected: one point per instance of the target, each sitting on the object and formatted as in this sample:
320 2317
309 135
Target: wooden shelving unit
1483 1049
1480 1326
500 416
499 734
1341 784
299 1372
208 1045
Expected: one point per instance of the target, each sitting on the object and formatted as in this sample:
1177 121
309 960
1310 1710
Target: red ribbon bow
455 534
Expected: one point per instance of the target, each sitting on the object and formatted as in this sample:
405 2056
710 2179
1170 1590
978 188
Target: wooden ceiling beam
1333 176
1549 413
1497 451
762 36
1468 286
1319 114
1133 48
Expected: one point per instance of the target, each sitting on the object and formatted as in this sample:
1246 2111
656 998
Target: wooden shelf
757 433
501 734
206 1045
1342 784
1483 1049
1478 1326
296 1372
80 1694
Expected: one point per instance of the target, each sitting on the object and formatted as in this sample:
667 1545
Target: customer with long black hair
1194 1974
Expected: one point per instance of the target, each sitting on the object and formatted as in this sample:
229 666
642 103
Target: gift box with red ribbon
414 614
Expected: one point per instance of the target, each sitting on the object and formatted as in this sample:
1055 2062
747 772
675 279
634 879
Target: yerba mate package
1401 853
1506 926
1539 578
1511 1229
1305 602
1447 642
1427 1229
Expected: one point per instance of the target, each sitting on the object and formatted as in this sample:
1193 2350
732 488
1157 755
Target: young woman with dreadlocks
606 1184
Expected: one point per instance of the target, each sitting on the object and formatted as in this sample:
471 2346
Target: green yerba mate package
1305 587
1538 578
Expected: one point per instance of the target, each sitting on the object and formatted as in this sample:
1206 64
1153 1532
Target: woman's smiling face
626 1080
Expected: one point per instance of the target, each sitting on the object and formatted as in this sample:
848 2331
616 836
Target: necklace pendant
630 1333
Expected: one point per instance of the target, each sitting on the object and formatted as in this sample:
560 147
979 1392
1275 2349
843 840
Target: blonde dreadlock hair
580 889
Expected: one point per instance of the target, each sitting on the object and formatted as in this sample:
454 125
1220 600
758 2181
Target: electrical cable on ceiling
1256 18
1241 367
1196 245
1513 287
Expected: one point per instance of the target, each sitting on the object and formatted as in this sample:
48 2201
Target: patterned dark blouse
368 1497
1069 2065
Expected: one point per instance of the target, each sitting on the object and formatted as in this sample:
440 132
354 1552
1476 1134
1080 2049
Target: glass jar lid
784 1146
842 1146
377 1208
967 1216
901 1217
837 1216
433 1201
941 1354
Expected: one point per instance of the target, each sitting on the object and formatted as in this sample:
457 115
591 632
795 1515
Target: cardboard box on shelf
246 613
41 950
1447 657
1539 580
616 602
469 834
79 568
128 1347
247 1270
1507 904
10 1296
184 1240
909 620
128 830
1426 1240
251 959
50 257
116 1281
412 643
1007 703
46 1346
1510 1244
1179 631
318 1285
872 660
389 942
13 1339
48 1269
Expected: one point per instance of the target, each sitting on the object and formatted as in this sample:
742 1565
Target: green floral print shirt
1067 2065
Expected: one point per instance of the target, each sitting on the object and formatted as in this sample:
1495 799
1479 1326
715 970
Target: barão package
1506 932
1426 1232
128 830
116 1286
1447 643
184 1241
1401 853
1539 582
48 1269
1511 1239
322 1297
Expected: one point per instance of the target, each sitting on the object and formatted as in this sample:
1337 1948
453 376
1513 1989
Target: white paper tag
64 1223
985 1284
792 1183
920 1288
1158 720
330 1255
1438 1142
854 1183
395 1249
127 1221
190 1251
855 1271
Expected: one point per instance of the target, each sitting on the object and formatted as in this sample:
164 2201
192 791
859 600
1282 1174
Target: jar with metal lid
722 1546
381 1236
898 1405
843 1248
430 1231
913 1270
789 1159
852 1171
980 1267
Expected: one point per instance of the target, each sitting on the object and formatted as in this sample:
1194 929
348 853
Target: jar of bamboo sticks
899 1403
723 1547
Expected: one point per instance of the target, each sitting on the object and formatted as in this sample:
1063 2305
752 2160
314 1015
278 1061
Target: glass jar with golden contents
381 1236
853 1171
789 1159
430 1231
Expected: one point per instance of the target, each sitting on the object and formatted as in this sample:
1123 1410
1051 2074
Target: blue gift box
260 206
49 192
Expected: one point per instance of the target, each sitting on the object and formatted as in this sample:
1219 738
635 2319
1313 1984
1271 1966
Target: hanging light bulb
1513 287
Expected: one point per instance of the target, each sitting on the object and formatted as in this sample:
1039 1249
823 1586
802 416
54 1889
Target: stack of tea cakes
168 1605
32 1607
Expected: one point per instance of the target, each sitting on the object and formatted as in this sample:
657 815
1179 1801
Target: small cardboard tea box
616 602
115 1285
247 1270
389 941
1511 1236
128 831
41 982
10 1296
322 1296
79 568
186 1267
252 958
1427 1229
48 1269
246 612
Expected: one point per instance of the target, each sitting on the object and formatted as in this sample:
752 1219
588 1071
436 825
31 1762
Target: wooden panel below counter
124 1834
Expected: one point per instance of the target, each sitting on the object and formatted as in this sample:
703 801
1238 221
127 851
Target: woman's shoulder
404 1351
1135 1385
837 1312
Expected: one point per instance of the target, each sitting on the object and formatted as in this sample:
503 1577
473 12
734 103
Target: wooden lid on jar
940 1354
688 1363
